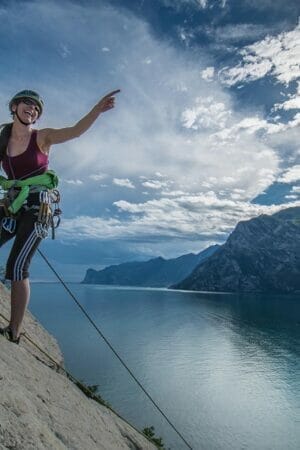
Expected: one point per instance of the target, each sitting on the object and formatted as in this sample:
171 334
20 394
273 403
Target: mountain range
261 255
157 272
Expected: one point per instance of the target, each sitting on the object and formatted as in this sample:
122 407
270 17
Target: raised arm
51 136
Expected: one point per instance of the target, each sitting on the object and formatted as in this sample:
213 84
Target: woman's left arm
50 136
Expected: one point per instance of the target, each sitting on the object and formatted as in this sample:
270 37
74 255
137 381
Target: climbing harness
16 196
48 180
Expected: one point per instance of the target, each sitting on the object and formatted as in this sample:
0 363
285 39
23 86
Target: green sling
47 180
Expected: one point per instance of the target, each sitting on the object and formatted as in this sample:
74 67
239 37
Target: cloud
208 73
64 50
278 56
124 183
291 175
291 197
255 124
251 69
235 33
98 176
207 113
155 184
187 218
74 182
202 4
292 103
147 61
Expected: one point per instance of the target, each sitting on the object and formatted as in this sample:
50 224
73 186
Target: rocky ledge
41 408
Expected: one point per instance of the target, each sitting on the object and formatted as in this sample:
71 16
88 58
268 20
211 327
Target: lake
225 368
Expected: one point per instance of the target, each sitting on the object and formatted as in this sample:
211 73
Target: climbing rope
113 350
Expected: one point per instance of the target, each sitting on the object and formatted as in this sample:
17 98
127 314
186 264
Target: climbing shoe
7 332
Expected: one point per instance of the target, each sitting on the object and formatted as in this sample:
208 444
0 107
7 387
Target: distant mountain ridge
260 255
157 272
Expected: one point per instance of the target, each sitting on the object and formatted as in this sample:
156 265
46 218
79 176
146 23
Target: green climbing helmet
27 94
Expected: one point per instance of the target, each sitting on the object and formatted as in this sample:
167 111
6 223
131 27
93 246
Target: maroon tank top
29 163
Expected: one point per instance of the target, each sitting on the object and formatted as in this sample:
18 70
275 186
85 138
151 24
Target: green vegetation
150 433
92 392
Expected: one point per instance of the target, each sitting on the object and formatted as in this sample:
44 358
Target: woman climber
25 211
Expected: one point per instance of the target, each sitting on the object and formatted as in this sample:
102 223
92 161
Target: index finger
112 93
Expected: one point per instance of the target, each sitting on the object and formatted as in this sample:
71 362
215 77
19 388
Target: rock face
42 409
261 255
157 272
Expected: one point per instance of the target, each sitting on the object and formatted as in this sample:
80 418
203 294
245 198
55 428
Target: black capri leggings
25 244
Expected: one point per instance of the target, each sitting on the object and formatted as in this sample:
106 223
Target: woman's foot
7 332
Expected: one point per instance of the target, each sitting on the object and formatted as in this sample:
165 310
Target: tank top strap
32 143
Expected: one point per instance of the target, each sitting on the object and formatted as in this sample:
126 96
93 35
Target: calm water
224 368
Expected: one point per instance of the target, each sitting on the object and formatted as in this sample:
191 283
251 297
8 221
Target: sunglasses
30 102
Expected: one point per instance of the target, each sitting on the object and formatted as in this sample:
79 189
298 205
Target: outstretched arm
50 136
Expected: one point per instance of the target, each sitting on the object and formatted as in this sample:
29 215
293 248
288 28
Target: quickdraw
55 219
48 215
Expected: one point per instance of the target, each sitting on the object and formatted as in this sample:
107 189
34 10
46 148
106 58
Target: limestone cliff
41 408
260 255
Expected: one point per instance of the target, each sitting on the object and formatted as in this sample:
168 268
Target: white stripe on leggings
19 264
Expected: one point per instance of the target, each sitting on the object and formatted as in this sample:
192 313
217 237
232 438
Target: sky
205 132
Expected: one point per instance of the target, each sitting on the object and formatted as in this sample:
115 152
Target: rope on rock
113 350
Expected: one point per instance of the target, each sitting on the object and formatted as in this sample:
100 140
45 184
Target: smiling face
27 110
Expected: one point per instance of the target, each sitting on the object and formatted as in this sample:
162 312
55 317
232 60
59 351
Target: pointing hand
108 101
